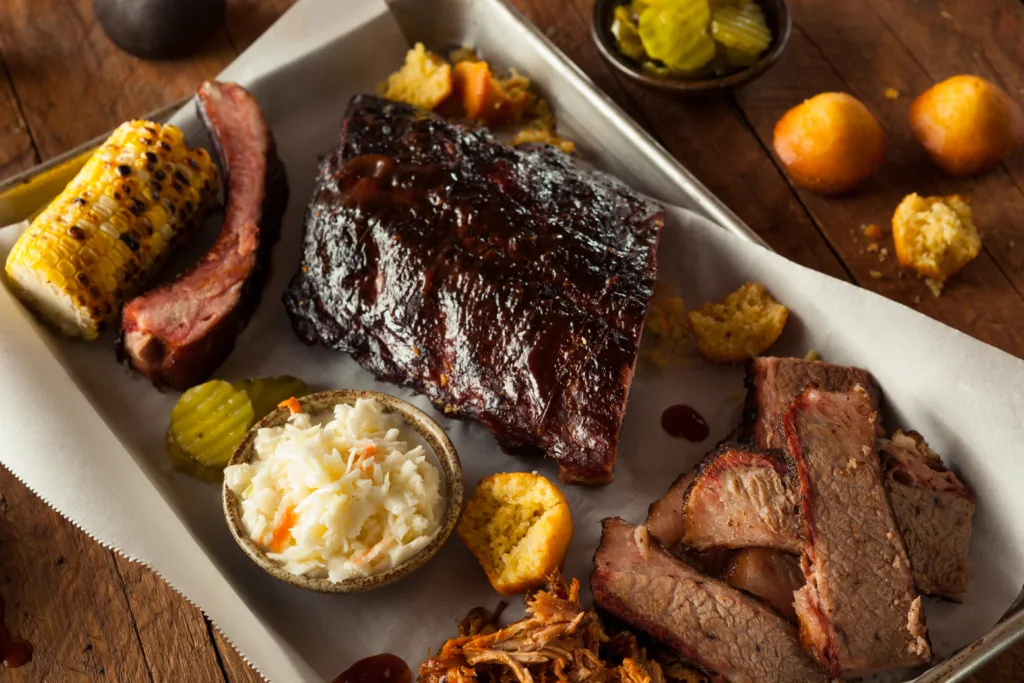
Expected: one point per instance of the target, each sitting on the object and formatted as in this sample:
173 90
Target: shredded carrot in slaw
292 404
282 530
362 557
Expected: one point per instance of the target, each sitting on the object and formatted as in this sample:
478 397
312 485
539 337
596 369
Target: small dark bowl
777 17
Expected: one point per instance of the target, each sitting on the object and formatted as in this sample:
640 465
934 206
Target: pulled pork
559 641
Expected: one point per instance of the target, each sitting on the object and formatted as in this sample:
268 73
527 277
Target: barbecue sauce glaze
383 668
682 421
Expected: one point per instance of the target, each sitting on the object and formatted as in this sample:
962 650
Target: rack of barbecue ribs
505 283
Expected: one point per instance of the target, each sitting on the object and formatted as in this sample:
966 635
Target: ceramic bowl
319 404
776 16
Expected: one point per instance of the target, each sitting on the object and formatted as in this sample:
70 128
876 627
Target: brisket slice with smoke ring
703 619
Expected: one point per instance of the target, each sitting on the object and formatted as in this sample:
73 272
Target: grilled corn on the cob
102 238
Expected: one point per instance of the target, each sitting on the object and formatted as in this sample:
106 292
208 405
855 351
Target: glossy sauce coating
383 668
682 421
505 283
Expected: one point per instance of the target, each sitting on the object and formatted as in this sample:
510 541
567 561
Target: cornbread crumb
425 80
543 136
518 526
872 232
892 94
745 324
666 335
934 285
812 356
935 235
873 247
917 298
876 274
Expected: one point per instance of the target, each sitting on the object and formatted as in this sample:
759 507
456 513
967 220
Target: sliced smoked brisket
773 382
742 498
507 284
934 510
703 619
858 612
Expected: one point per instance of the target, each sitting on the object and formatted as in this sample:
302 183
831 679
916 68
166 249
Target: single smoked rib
858 612
504 283
934 510
705 620
742 498
773 382
179 333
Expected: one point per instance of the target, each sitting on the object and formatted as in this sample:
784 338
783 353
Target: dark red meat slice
703 619
506 284
178 334
773 382
858 612
934 510
741 498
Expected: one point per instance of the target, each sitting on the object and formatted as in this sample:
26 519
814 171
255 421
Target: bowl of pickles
691 46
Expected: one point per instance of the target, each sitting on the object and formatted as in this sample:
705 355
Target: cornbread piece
858 612
742 498
425 80
771 575
772 383
507 284
830 143
101 240
542 136
518 526
703 619
744 325
179 333
934 510
666 331
935 235
967 124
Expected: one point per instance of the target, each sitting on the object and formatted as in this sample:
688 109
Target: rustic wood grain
63 593
73 83
97 617
173 633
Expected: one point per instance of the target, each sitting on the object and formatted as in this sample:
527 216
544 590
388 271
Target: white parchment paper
88 437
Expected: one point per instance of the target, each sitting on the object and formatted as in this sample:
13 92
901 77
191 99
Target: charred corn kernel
101 239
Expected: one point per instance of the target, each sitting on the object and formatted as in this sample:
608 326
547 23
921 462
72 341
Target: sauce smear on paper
385 668
14 651
682 421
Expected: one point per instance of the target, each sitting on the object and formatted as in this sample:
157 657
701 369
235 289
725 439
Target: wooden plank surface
94 616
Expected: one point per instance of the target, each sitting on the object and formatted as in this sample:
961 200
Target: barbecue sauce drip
385 668
682 421
14 651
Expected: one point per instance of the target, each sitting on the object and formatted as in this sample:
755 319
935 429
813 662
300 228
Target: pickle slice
676 34
187 465
266 393
209 421
743 29
626 36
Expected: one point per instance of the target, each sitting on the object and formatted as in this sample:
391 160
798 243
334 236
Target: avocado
159 29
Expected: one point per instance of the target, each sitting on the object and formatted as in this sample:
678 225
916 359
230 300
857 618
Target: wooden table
94 616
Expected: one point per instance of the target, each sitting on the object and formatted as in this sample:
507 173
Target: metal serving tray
586 114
